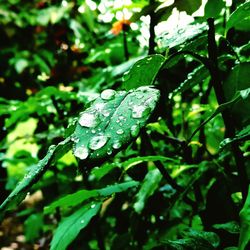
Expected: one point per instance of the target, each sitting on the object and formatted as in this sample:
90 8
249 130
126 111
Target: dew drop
75 139
81 152
108 94
135 129
119 131
140 111
117 144
98 142
93 131
109 152
82 221
88 120
92 206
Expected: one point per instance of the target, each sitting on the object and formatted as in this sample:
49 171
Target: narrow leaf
70 227
149 185
83 195
21 190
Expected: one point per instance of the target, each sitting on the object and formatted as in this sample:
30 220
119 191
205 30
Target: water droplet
82 221
93 131
119 131
108 94
106 113
117 144
140 111
75 139
139 95
81 152
98 142
109 152
135 129
92 206
88 120
149 58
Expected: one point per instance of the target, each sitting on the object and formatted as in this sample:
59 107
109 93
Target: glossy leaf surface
112 121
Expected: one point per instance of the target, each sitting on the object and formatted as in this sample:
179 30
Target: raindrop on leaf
108 94
98 142
81 152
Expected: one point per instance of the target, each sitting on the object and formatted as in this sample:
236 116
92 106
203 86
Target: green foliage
142 128
70 226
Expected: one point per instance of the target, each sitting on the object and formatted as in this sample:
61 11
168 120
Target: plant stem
151 45
125 43
229 126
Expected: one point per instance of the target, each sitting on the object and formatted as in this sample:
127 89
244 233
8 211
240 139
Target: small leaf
231 227
197 76
149 185
240 18
244 134
137 160
83 195
70 227
112 122
213 8
143 72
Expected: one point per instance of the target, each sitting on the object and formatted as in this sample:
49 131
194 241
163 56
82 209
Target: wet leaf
112 121
21 190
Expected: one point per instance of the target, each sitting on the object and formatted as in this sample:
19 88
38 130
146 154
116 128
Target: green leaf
21 190
240 18
149 185
137 160
197 76
189 6
245 223
143 72
181 36
213 8
231 227
244 134
70 227
220 109
83 195
238 80
33 227
112 121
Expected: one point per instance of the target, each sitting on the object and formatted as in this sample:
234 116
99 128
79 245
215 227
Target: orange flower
118 26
